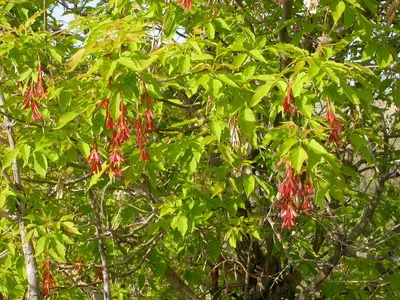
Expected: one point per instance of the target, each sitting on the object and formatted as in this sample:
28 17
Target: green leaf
70 227
215 249
182 225
383 56
313 70
298 84
256 54
299 65
261 92
66 118
350 93
29 235
349 18
10 157
84 148
129 63
215 87
24 75
96 177
247 122
394 281
232 241
60 250
297 156
322 189
255 233
76 59
225 78
337 10
221 23
25 153
136 64
54 54
210 30
141 282
315 146
217 189
185 66
201 57
248 184
40 163
286 146
115 102
40 245
216 129
239 60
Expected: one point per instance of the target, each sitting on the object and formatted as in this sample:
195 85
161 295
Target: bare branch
102 249
179 285
388 257
5 214
27 245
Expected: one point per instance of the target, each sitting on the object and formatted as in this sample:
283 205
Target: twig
156 238
185 106
162 80
18 120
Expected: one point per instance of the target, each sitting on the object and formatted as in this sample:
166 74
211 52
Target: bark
102 249
179 285
27 246
287 11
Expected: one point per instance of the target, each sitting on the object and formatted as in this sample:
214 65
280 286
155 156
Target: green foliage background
202 209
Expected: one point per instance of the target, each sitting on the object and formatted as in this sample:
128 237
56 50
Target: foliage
200 149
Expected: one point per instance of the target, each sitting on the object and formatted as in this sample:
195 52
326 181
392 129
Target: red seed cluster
99 274
335 125
109 121
48 281
121 134
186 4
36 92
144 124
294 197
94 159
288 102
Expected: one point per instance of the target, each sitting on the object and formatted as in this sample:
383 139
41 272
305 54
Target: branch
154 240
323 274
278 234
179 285
287 10
10 117
388 257
247 277
190 106
3 254
27 245
77 281
102 249
5 214
162 80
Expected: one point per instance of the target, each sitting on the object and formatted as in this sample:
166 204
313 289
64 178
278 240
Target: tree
200 149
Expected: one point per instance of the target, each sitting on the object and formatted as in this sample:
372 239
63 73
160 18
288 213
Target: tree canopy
219 149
